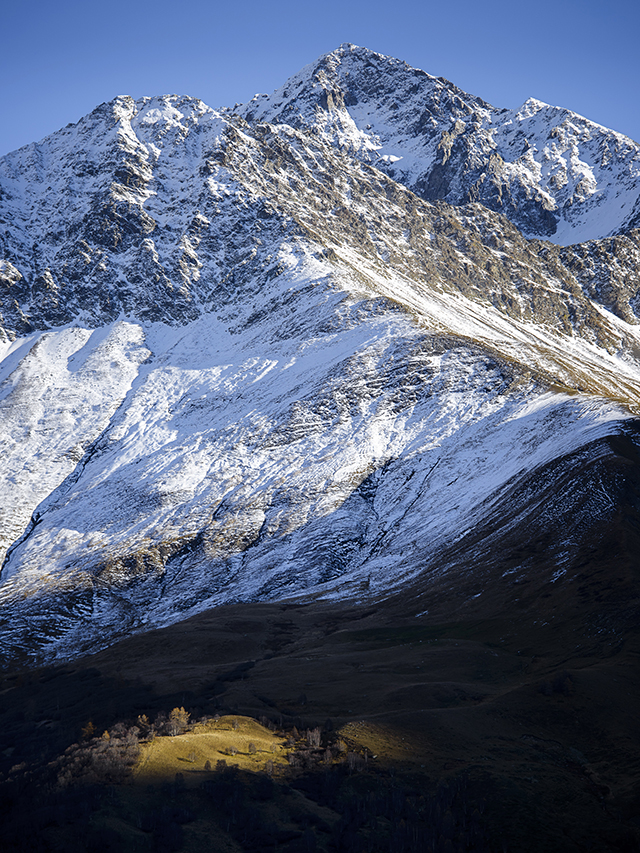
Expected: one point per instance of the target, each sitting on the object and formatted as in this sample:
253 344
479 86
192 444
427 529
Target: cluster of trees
107 759
174 723
332 799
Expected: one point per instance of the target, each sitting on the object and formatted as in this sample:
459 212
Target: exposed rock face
608 272
553 173
190 204
254 356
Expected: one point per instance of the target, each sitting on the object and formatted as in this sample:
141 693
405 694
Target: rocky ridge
245 356
553 173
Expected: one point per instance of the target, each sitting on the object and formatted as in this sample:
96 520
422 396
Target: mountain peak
300 241
531 106
443 143
301 372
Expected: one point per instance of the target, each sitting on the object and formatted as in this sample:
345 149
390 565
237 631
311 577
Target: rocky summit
365 351
304 348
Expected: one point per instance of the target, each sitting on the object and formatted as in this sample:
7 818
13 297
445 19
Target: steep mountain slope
241 361
553 173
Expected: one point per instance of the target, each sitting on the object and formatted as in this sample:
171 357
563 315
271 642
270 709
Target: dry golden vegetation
237 739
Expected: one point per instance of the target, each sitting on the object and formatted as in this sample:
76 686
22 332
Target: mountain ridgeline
346 341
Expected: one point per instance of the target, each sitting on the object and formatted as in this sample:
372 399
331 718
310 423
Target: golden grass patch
381 741
234 739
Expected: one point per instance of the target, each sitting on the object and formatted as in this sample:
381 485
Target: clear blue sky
58 60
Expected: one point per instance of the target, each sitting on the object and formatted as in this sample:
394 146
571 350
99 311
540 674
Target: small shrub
88 730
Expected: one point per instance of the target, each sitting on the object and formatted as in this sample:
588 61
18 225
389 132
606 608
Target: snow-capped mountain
555 174
255 354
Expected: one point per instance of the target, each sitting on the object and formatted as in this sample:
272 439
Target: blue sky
59 60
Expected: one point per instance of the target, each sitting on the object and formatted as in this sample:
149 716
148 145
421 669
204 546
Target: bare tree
178 720
313 736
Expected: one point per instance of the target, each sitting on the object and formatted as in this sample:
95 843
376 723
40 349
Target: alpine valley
328 406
